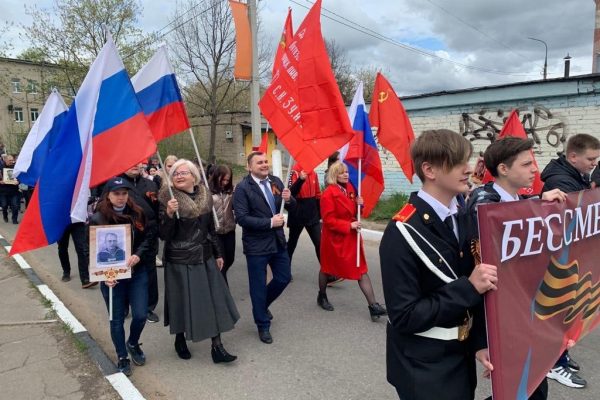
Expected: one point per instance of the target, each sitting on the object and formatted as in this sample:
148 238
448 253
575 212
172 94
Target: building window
32 87
18 112
16 86
34 114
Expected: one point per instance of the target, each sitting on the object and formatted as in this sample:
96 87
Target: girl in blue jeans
117 207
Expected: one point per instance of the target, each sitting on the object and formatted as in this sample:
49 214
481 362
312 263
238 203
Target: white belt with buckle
440 333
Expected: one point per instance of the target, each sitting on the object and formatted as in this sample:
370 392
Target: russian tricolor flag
363 147
34 152
157 90
104 134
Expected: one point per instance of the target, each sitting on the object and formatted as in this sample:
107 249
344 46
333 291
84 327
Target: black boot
220 355
323 302
376 310
181 347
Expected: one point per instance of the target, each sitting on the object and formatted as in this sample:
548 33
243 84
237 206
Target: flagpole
255 82
358 214
203 175
160 161
287 181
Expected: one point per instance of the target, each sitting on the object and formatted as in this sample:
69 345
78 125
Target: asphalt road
315 355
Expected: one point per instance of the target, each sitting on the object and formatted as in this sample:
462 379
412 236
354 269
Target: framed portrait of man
110 248
8 177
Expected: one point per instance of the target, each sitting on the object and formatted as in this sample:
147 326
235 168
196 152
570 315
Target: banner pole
287 181
110 303
358 214
203 175
162 166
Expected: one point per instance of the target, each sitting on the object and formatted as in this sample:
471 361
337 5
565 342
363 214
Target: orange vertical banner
243 41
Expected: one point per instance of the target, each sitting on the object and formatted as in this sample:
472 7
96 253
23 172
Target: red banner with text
548 285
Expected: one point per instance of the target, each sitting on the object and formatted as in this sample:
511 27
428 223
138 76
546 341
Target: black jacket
307 211
418 300
144 194
141 238
191 238
253 214
559 174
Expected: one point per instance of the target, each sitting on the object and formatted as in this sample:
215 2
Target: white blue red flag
104 134
157 90
33 154
363 147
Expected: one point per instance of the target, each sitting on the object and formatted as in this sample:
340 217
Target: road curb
121 383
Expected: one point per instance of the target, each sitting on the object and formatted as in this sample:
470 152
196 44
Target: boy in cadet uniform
511 163
432 287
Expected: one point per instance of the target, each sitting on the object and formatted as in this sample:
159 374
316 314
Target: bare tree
341 69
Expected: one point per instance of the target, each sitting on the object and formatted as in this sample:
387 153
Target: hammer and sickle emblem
382 96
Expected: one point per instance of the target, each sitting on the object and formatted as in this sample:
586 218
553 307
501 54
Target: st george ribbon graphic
548 285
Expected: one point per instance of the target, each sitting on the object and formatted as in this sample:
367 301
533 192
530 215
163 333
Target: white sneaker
566 377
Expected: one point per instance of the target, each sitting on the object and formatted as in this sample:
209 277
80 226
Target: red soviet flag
514 127
286 39
394 131
303 104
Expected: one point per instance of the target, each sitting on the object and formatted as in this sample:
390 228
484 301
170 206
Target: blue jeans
12 201
134 290
261 294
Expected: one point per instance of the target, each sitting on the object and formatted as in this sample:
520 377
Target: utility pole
254 85
545 57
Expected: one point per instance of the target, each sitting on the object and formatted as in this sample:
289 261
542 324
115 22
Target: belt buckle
463 330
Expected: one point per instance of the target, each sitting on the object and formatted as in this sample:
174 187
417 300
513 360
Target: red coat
338 240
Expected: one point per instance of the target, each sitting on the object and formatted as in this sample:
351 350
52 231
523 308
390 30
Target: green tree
72 33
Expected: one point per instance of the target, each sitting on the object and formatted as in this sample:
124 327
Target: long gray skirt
198 301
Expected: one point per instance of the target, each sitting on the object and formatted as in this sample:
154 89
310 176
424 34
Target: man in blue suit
256 203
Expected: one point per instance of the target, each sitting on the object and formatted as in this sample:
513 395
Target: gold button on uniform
426 217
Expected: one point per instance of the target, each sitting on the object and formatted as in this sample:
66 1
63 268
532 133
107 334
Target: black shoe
265 336
323 302
152 317
269 315
182 349
376 310
88 284
137 355
124 366
220 355
66 277
572 364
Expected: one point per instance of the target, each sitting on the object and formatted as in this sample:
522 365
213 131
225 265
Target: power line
478 30
370 32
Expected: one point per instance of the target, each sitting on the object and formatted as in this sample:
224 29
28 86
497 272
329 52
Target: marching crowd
433 285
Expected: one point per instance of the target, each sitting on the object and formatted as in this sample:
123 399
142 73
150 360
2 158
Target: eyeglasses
181 173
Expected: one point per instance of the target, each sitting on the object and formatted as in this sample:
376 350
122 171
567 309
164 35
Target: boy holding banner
432 287
510 161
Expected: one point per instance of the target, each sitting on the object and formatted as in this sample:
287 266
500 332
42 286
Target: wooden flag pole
358 214
203 175
287 181
167 179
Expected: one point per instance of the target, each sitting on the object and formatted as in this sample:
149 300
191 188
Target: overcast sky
484 34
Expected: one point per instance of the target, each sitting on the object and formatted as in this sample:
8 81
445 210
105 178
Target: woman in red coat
339 205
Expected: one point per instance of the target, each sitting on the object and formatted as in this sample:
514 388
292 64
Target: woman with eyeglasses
198 304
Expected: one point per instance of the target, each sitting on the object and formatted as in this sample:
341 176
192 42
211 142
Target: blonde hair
335 170
192 167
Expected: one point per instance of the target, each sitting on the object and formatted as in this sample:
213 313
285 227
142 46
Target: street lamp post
545 57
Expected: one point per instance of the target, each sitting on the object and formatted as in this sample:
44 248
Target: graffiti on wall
540 125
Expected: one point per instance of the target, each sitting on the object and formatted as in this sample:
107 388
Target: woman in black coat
198 304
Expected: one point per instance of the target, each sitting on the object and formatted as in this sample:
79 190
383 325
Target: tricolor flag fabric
104 134
303 103
363 147
34 152
514 127
159 95
394 130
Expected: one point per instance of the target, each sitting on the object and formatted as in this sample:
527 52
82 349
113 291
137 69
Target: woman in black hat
117 207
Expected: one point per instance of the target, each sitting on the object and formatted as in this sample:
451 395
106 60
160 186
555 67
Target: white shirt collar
258 180
504 195
441 210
